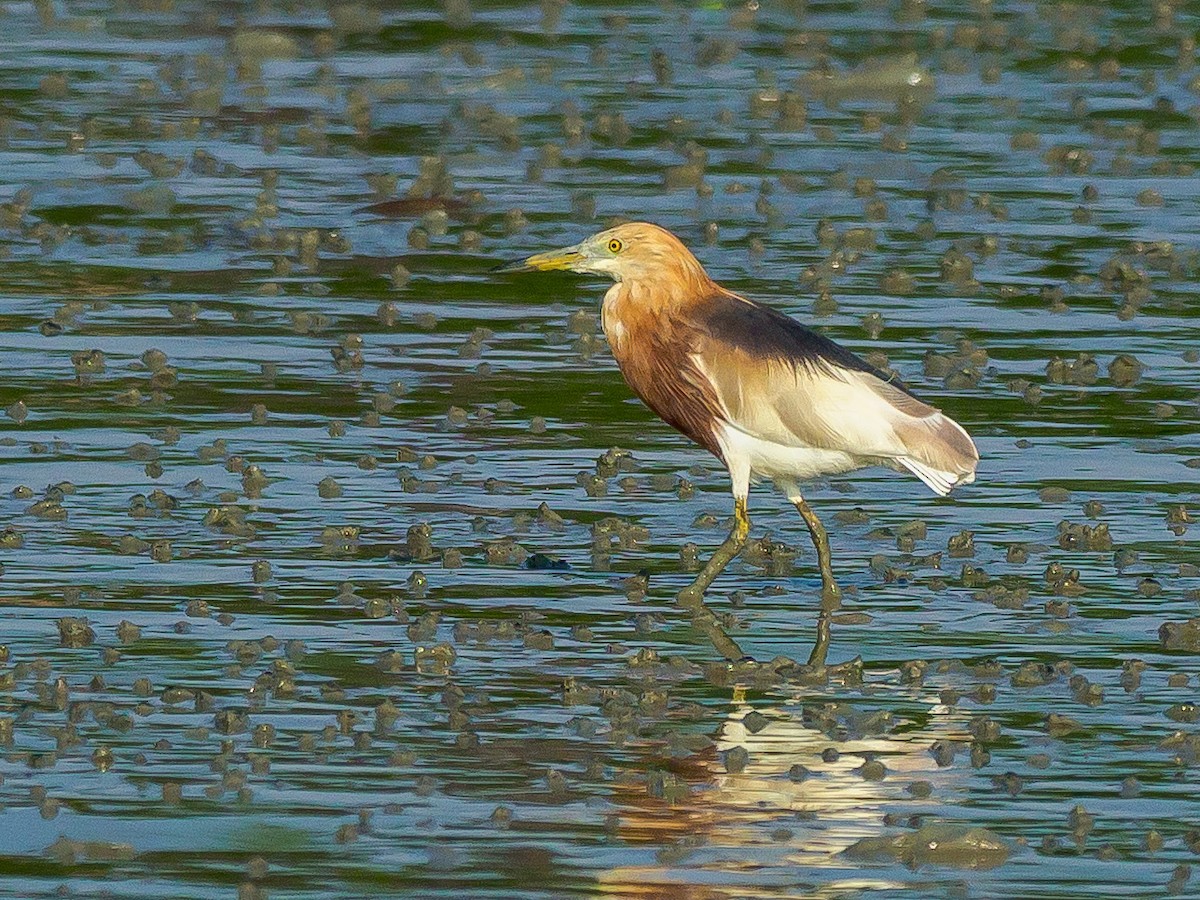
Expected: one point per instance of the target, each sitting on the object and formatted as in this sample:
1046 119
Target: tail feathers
935 448
940 453
941 483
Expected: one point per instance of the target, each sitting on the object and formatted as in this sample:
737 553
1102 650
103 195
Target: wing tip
938 481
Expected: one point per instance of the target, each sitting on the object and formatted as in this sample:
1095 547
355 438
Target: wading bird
767 396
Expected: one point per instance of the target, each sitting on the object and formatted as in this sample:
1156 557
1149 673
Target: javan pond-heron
766 395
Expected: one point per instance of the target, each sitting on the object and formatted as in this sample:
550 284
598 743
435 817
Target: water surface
231 419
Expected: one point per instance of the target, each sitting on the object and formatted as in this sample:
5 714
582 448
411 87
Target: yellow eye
614 246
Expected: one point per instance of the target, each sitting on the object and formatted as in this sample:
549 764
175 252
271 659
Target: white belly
766 459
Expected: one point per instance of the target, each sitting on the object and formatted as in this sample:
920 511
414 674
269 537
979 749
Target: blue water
550 733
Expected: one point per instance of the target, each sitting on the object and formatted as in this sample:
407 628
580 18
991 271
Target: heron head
629 252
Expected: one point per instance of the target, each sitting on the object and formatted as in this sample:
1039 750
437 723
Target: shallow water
316 702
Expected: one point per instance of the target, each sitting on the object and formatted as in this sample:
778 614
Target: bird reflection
780 793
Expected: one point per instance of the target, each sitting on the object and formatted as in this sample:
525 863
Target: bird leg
691 597
831 594
722 556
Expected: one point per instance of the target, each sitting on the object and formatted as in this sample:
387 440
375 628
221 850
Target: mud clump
947 846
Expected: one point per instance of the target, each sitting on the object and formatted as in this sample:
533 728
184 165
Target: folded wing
782 382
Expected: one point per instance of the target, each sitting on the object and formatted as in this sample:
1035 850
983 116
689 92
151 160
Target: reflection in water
785 789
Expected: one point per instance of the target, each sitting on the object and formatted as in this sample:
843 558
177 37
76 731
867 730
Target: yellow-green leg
831 594
691 597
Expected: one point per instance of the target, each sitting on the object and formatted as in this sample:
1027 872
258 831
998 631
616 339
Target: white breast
609 321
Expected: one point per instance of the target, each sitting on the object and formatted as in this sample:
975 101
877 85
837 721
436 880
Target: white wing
816 403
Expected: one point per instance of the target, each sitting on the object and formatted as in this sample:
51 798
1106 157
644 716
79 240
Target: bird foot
816 673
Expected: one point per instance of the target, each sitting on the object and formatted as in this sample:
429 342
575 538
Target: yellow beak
556 260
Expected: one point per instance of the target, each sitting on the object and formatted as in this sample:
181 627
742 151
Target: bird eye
614 246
